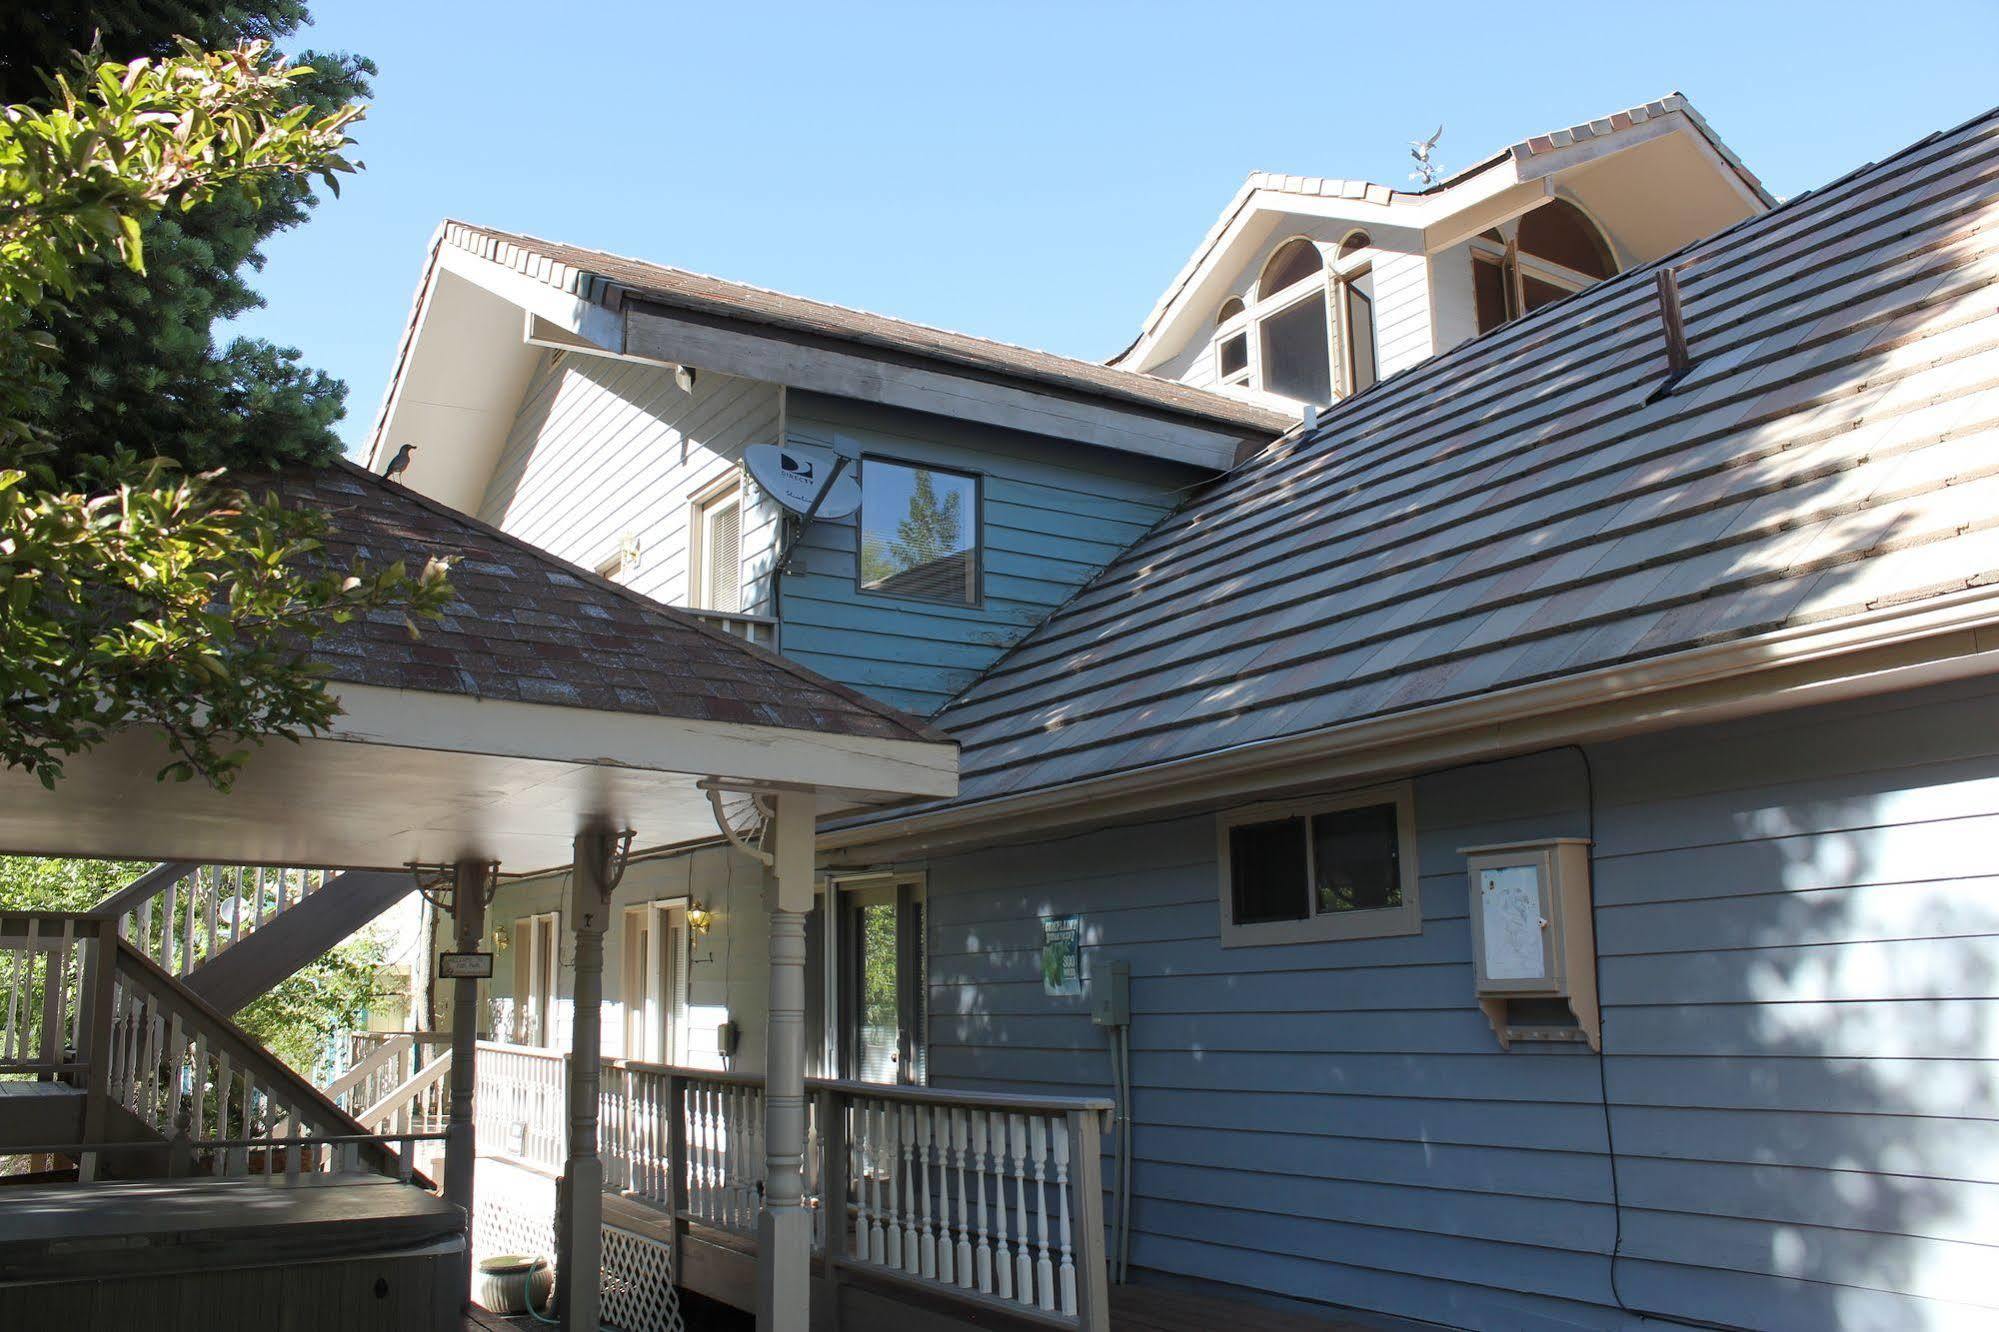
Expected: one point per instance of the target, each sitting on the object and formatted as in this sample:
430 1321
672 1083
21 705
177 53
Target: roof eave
1893 648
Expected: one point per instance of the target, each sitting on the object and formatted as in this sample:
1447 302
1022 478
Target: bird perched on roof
1420 149
400 463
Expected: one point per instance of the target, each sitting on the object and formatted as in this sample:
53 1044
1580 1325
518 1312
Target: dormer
1307 290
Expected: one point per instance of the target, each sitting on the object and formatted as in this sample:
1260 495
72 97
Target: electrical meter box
1533 940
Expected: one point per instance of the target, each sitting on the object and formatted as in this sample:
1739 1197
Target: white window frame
538 965
700 595
661 1037
1380 923
1236 325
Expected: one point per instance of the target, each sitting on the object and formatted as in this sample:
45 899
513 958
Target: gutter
1944 637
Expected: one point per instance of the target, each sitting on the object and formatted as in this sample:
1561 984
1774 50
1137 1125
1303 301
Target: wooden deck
1133 1309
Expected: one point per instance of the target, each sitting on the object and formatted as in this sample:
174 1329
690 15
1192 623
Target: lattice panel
514 1212
638 1283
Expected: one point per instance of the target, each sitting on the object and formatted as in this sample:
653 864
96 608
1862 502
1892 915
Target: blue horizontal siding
1799 918
1051 516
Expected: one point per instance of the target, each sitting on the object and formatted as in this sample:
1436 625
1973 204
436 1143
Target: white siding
603 452
1451 301
1401 311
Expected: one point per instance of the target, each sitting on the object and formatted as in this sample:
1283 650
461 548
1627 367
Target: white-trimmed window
1232 343
537 949
655 981
1338 867
1354 283
1293 336
715 557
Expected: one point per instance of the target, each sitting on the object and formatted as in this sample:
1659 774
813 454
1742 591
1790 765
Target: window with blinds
718 583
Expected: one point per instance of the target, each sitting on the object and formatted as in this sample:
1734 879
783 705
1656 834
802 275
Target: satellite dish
794 474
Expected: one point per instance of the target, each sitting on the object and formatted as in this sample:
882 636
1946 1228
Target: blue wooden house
1476 730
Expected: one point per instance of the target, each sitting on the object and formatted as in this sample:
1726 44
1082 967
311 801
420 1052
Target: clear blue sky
1025 171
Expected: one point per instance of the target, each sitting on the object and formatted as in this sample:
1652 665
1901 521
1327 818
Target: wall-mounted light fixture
501 940
699 919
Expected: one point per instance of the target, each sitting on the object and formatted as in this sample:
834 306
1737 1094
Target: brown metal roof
531 628
1524 509
584 272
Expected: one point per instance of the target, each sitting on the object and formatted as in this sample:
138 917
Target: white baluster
976 1125
912 1164
1002 1255
187 924
880 1183
1024 1273
1060 1130
1044 1269
960 1149
211 904
236 915
892 1158
947 1268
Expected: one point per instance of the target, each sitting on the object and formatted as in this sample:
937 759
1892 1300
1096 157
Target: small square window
1342 868
1232 357
919 532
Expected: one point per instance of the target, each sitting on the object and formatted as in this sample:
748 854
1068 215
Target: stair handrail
143 889
388 1052
244 1050
399 1100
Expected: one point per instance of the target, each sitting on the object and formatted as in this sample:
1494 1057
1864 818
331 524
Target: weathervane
1420 149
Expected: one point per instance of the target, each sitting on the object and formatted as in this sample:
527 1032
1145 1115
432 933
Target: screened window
1361 371
1297 357
919 532
1555 250
1339 869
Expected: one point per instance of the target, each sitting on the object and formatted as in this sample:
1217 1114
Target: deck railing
181 914
980 1196
43 957
81 1005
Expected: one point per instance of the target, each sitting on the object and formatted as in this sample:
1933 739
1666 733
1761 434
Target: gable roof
1522 510
1378 195
604 277
528 627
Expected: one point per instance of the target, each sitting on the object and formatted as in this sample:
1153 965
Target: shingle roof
531 628
591 273
1519 510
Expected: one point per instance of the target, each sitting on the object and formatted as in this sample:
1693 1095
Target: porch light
501 939
699 918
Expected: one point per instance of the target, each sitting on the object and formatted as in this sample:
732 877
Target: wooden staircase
115 1063
233 932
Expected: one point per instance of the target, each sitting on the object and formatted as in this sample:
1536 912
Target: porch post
784 1231
580 1203
470 884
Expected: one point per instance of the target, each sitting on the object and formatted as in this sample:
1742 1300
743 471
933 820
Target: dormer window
1231 343
1293 339
1552 251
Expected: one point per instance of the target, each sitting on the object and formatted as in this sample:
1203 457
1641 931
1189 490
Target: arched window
1293 263
1354 244
1561 233
1552 251
1230 309
1294 344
